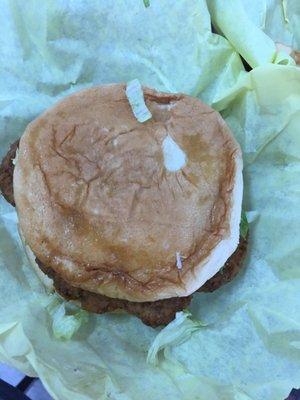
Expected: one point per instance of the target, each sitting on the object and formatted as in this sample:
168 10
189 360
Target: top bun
136 211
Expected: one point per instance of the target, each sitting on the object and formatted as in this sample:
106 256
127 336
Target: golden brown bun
97 204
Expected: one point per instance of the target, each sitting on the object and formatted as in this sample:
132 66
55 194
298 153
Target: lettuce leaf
173 334
66 318
244 225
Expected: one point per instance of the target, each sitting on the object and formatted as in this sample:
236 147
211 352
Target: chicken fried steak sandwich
119 214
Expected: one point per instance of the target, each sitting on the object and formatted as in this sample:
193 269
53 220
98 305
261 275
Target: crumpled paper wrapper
262 31
248 343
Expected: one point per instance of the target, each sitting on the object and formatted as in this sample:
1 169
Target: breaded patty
154 313
231 268
6 173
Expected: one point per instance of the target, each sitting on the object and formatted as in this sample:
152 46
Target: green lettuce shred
66 318
176 332
244 225
147 3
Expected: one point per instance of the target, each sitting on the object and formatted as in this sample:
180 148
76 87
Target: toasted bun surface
132 211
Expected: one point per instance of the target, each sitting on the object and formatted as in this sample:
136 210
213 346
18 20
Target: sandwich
128 202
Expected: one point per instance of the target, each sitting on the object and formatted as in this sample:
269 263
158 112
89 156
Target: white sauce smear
174 157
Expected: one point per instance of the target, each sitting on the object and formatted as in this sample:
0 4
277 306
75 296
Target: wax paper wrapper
241 342
49 49
262 31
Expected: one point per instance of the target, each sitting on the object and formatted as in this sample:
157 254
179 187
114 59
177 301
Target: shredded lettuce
147 3
134 93
244 225
178 331
66 318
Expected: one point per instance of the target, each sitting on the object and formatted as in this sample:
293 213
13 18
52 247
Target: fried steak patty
6 173
154 313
